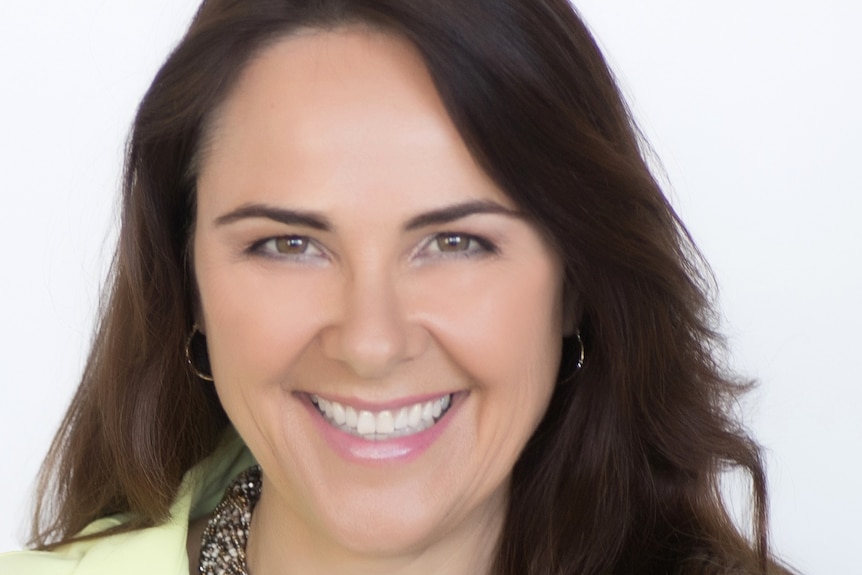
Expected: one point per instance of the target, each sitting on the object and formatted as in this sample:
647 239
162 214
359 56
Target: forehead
336 75
349 107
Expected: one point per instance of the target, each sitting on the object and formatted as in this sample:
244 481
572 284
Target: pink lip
397 450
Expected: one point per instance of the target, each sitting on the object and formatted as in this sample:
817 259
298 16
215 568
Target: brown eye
453 243
291 245
290 248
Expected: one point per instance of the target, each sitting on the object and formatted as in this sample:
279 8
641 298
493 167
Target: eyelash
477 247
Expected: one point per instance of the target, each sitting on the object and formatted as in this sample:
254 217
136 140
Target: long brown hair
622 474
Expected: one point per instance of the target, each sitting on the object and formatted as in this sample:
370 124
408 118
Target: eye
454 243
293 247
457 244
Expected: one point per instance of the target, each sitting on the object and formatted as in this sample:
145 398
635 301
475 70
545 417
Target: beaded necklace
226 534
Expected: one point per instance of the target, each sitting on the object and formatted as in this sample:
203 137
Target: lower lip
398 449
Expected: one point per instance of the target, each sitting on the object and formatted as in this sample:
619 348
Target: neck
282 543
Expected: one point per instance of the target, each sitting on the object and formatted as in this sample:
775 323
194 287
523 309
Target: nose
373 333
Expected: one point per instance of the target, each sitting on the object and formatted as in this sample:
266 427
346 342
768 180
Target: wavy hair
622 475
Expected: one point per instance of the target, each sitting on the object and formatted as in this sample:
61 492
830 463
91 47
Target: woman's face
384 327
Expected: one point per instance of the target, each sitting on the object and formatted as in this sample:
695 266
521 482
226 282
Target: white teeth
366 423
402 420
352 417
384 424
339 413
415 415
437 409
428 411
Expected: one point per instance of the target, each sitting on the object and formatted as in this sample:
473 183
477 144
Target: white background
752 105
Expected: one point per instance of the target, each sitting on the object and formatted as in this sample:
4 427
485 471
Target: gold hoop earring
581 351
196 354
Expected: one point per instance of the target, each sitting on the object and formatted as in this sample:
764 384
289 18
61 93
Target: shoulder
34 563
158 550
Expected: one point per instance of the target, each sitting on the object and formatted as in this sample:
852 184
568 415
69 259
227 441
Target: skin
384 305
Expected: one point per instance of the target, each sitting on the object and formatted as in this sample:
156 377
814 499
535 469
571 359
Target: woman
440 299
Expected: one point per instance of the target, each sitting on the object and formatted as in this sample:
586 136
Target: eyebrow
282 215
319 222
458 211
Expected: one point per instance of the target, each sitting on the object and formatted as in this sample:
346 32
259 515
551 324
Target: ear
199 321
194 292
572 311
197 312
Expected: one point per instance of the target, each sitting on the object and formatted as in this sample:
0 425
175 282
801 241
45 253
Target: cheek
504 328
508 342
258 322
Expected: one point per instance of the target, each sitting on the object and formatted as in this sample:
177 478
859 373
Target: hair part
622 475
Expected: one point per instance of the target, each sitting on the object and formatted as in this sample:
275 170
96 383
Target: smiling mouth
385 424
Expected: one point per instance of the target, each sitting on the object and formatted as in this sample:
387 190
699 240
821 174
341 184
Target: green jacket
158 550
